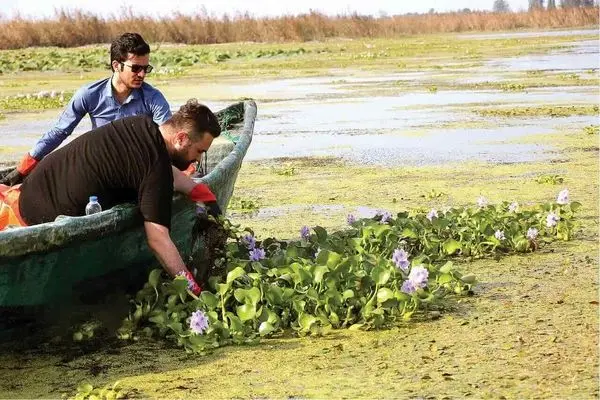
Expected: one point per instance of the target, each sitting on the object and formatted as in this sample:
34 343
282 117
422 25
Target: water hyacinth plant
368 276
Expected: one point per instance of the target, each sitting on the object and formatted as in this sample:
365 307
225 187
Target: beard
180 162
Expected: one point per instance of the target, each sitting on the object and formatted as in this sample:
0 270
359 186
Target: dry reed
77 28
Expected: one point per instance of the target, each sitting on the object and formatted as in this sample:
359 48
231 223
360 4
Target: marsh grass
77 28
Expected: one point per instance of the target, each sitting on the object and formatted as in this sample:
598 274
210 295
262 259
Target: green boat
43 264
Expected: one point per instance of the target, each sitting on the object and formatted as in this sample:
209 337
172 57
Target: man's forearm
181 182
50 141
163 248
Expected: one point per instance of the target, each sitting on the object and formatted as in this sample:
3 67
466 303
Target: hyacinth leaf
574 206
321 234
223 288
306 321
246 312
209 299
234 274
409 233
380 230
235 323
451 246
447 268
384 294
380 275
348 294
444 278
274 295
319 271
251 296
265 329
154 277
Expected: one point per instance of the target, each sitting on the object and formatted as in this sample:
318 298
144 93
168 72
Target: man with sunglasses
121 95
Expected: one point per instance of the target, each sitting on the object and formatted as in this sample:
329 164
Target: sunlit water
323 116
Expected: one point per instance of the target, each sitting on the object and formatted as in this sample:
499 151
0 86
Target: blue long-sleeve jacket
96 99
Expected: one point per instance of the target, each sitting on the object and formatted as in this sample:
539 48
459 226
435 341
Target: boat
44 263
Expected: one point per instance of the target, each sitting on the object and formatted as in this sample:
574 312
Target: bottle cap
93 198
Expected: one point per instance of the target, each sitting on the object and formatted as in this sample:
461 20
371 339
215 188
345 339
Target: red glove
27 164
201 192
192 284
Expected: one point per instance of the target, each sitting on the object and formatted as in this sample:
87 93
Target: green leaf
348 294
246 312
384 294
444 278
321 234
223 288
575 205
209 299
253 295
380 275
306 321
319 271
451 246
154 277
235 324
409 233
234 274
274 295
265 329
447 268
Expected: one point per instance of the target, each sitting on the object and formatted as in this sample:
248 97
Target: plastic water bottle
93 206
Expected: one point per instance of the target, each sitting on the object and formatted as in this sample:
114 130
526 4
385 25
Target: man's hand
192 284
212 208
12 178
25 166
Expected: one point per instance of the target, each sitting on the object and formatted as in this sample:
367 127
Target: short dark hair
128 43
197 119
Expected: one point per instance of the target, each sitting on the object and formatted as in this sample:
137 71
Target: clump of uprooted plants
376 273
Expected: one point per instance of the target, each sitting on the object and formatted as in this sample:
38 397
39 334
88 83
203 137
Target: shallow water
361 118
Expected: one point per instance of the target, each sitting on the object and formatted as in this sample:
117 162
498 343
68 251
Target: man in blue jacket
121 95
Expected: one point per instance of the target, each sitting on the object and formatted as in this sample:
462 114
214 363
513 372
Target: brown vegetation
69 29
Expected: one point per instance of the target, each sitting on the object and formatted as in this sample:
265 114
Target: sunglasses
136 68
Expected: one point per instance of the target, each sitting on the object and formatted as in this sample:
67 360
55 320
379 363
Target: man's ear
182 140
115 65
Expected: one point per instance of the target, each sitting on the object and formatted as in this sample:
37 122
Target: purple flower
305 232
200 210
418 276
552 219
400 258
249 241
257 254
350 219
563 197
198 322
432 214
499 235
408 287
482 202
532 233
513 206
385 217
